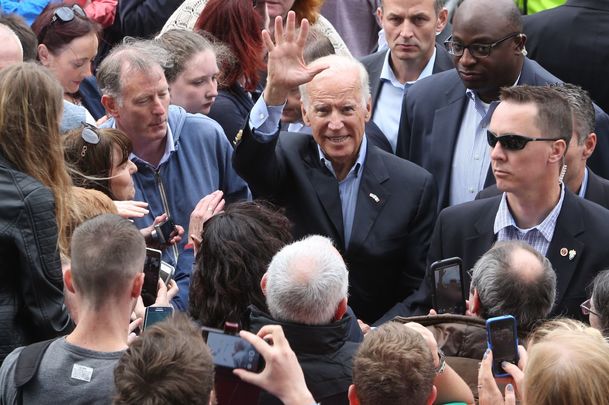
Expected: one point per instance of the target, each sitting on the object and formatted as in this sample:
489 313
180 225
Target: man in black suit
571 41
378 209
410 29
578 178
445 117
528 134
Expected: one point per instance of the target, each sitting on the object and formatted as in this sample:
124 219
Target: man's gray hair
503 289
581 107
107 253
306 281
338 64
138 56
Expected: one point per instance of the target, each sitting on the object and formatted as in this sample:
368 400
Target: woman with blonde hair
35 189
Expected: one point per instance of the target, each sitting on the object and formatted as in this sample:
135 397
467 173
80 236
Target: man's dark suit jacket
597 190
466 231
393 218
571 41
374 66
431 120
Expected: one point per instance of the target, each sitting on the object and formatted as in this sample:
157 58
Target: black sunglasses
513 141
90 135
62 14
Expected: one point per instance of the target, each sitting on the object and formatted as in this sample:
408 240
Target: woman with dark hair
67 45
34 216
597 307
240 74
237 246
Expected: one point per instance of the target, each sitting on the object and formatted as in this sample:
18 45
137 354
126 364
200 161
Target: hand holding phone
502 339
152 268
448 290
156 314
230 351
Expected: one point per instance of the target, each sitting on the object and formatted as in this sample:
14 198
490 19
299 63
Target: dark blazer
374 66
580 58
231 109
466 231
597 190
393 219
431 120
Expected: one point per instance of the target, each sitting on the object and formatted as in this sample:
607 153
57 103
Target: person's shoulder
187 126
594 215
398 166
373 58
440 81
472 209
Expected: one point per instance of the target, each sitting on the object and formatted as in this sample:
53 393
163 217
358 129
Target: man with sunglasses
445 118
529 134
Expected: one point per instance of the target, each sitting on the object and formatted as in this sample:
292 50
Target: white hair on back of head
339 64
306 281
7 32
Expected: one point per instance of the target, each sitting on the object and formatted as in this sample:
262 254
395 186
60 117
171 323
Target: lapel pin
572 254
238 137
563 252
374 197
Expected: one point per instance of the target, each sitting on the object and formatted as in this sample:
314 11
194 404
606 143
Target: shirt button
477 157
261 116
471 189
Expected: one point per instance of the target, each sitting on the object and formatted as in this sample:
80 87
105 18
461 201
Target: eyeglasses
513 141
63 14
586 308
476 50
90 135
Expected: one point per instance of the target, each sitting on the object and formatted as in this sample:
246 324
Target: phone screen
449 290
156 314
232 352
503 342
166 272
152 267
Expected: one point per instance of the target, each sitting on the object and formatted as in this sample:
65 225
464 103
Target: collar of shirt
387 72
357 167
504 218
169 147
584 187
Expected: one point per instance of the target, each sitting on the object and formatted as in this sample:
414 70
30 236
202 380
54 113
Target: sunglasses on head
90 136
513 141
62 14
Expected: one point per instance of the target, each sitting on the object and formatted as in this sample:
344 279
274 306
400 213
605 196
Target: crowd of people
301 169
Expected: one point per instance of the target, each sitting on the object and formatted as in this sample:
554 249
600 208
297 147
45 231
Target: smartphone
152 268
231 351
502 339
166 272
164 230
448 290
156 314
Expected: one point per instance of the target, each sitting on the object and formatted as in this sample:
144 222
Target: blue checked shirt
539 237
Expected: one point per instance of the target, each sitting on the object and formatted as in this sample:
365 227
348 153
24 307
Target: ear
379 14
368 109
111 105
44 55
589 145
341 309
352 395
442 20
474 303
136 287
263 284
68 281
559 148
432 395
305 117
521 44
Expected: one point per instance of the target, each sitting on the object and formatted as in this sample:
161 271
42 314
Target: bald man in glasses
528 134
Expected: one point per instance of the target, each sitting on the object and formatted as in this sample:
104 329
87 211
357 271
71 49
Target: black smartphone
164 231
231 351
502 338
448 290
156 314
166 272
152 268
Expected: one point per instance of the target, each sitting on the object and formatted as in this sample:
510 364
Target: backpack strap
27 365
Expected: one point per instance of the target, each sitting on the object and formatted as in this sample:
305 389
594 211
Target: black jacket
323 352
31 287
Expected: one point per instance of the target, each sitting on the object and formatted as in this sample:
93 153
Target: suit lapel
371 196
375 77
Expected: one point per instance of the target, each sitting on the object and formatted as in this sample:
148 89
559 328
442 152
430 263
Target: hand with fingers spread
286 66
282 375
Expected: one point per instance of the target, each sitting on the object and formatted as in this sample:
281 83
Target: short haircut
306 281
553 110
503 290
107 253
437 5
28 39
138 56
237 247
338 64
182 46
168 364
600 297
393 366
568 367
581 107
317 45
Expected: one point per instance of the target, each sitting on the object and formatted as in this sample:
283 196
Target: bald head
11 51
525 264
504 12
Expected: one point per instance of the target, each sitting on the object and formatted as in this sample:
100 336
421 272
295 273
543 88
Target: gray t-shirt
68 374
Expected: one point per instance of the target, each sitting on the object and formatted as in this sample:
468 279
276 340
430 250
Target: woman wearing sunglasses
597 306
67 45
34 190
